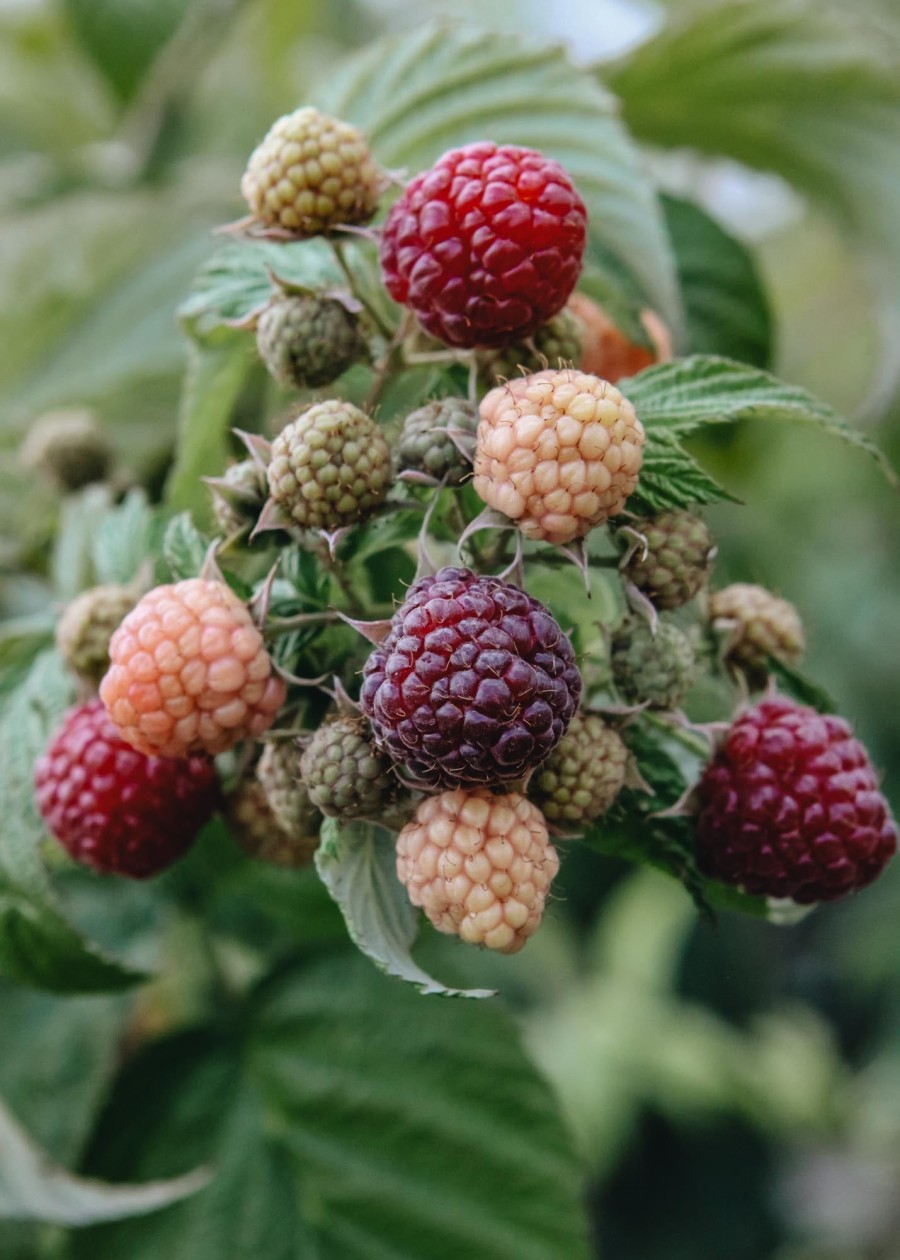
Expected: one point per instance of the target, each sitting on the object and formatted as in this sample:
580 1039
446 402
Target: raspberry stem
340 258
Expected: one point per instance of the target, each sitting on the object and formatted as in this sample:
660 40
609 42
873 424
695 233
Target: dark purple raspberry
790 807
486 246
114 808
474 684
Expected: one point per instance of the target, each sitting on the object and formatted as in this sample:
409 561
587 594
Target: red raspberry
474 684
115 809
190 673
486 246
790 807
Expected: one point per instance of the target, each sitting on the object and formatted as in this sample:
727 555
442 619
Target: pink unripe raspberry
479 865
790 807
115 809
190 673
559 452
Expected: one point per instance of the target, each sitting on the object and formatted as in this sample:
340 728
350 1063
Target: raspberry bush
417 625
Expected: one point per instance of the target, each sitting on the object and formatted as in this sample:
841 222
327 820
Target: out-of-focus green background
735 1091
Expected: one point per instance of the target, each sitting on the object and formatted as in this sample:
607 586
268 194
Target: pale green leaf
184 548
122 542
357 864
417 94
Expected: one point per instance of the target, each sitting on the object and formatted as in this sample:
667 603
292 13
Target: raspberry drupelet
486 245
190 673
115 809
790 807
475 683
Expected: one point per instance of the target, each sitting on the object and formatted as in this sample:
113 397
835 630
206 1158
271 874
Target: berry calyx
238 496
344 773
480 866
329 466
308 340
311 173
676 561
652 668
583 775
84 630
475 683
114 808
486 245
757 625
558 452
789 807
434 437
190 673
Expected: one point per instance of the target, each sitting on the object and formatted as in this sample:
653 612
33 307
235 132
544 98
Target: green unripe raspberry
84 630
278 770
656 669
426 444
329 467
678 560
69 448
255 828
557 342
308 341
237 504
758 624
344 774
311 173
583 775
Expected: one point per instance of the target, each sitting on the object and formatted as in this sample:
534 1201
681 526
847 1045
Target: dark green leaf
801 687
726 308
123 37
357 863
355 1120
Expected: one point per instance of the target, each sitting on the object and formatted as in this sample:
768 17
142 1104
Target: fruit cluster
480 730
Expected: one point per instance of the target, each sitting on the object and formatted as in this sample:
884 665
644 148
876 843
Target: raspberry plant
425 605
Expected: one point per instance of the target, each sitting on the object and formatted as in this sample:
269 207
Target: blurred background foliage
733 1090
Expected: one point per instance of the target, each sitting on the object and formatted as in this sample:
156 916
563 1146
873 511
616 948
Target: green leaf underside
123 540
726 308
184 548
684 396
418 94
357 864
353 1119
34 1188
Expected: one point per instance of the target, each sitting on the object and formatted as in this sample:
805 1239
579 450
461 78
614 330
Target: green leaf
726 308
34 1188
417 94
21 639
81 518
122 542
357 864
671 477
123 37
800 687
686 395
184 548
216 373
352 1119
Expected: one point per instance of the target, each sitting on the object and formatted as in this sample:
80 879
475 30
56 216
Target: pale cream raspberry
558 452
189 672
480 865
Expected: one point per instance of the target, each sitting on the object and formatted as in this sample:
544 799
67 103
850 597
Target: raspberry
475 683
555 344
190 673
329 466
760 625
559 452
479 865
69 448
347 777
653 669
678 559
790 807
238 497
606 351
311 173
278 770
84 630
486 245
583 775
115 809
254 826
427 439
308 341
